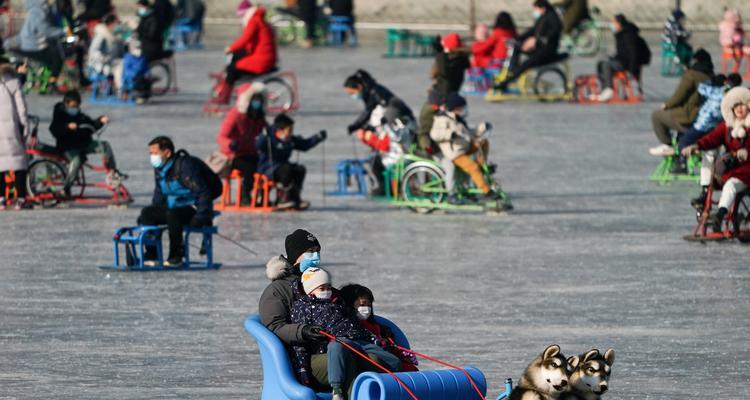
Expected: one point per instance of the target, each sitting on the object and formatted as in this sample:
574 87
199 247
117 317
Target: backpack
644 52
212 180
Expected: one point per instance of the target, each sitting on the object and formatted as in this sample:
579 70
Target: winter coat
546 30
685 101
133 68
710 112
191 10
451 69
375 94
165 14
180 183
453 135
275 305
14 125
36 27
151 38
240 128
104 49
344 8
77 139
426 119
257 44
674 32
274 152
389 140
731 134
333 316
731 33
630 50
576 11
494 48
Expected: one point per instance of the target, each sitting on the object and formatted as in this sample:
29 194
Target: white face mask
364 312
324 295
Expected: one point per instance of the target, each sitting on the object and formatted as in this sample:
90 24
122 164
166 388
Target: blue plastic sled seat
280 383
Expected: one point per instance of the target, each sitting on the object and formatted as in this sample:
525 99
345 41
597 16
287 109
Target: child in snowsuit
731 33
74 133
359 300
677 36
135 80
458 142
320 307
275 149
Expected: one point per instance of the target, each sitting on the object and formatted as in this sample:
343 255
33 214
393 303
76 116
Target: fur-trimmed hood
278 267
246 93
731 98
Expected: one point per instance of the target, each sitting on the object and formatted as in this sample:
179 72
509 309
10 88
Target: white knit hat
313 278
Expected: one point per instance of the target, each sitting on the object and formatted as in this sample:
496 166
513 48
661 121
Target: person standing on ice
275 306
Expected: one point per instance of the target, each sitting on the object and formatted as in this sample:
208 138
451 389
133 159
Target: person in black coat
73 132
150 32
95 9
362 86
539 43
308 13
632 54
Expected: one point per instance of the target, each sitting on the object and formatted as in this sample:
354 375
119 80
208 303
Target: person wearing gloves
183 195
275 306
362 86
734 166
458 143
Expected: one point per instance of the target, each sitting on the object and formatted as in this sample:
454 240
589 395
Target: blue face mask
156 161
256 104
143 12
357 96
309 260
536 14
72 111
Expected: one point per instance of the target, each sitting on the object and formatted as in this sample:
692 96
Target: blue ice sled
280 383
350 171
135 239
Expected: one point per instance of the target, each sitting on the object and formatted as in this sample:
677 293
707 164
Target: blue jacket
187 189
37 27
709 114
132 68
332 316
274 152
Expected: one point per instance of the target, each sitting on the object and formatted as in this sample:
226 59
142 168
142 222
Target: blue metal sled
135 239
350 171
279 382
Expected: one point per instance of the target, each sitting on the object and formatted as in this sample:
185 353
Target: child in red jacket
359 299
494 49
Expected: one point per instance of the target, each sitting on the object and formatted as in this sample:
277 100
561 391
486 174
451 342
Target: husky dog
589 378
546 378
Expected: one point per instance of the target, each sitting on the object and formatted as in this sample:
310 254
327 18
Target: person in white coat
14 127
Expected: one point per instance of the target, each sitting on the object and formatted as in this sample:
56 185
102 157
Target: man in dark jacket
632 54
150 32
73 132
362 86
681 109
182 197
275 306
539 43
275 150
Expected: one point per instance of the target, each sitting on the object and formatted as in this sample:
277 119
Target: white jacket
452 135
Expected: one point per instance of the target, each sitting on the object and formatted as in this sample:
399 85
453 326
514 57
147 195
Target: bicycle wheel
45 179
550 84
161 77
286 31
741 220
423 184
279 94
587 41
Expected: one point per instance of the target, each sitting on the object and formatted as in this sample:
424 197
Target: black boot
700 202
680 166
717 219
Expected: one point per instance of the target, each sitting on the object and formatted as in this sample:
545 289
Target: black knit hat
299 242
454 101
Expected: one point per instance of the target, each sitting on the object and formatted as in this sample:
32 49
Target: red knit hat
451 41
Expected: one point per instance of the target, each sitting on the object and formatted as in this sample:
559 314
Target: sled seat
280 383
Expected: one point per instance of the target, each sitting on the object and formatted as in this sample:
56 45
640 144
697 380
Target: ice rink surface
592 256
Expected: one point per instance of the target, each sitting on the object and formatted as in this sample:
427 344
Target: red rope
364 356
447 364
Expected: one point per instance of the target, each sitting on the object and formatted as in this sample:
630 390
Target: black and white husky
546 378
589 374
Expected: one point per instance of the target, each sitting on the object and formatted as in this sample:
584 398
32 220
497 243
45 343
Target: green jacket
426 116
685 101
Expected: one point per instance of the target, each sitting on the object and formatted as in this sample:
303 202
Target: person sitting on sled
321 306
386 124
458 143
254 53
732 133
275 149
358 299
74 134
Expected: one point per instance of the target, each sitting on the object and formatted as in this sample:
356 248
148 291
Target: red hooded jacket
258 43
494 48
722 136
